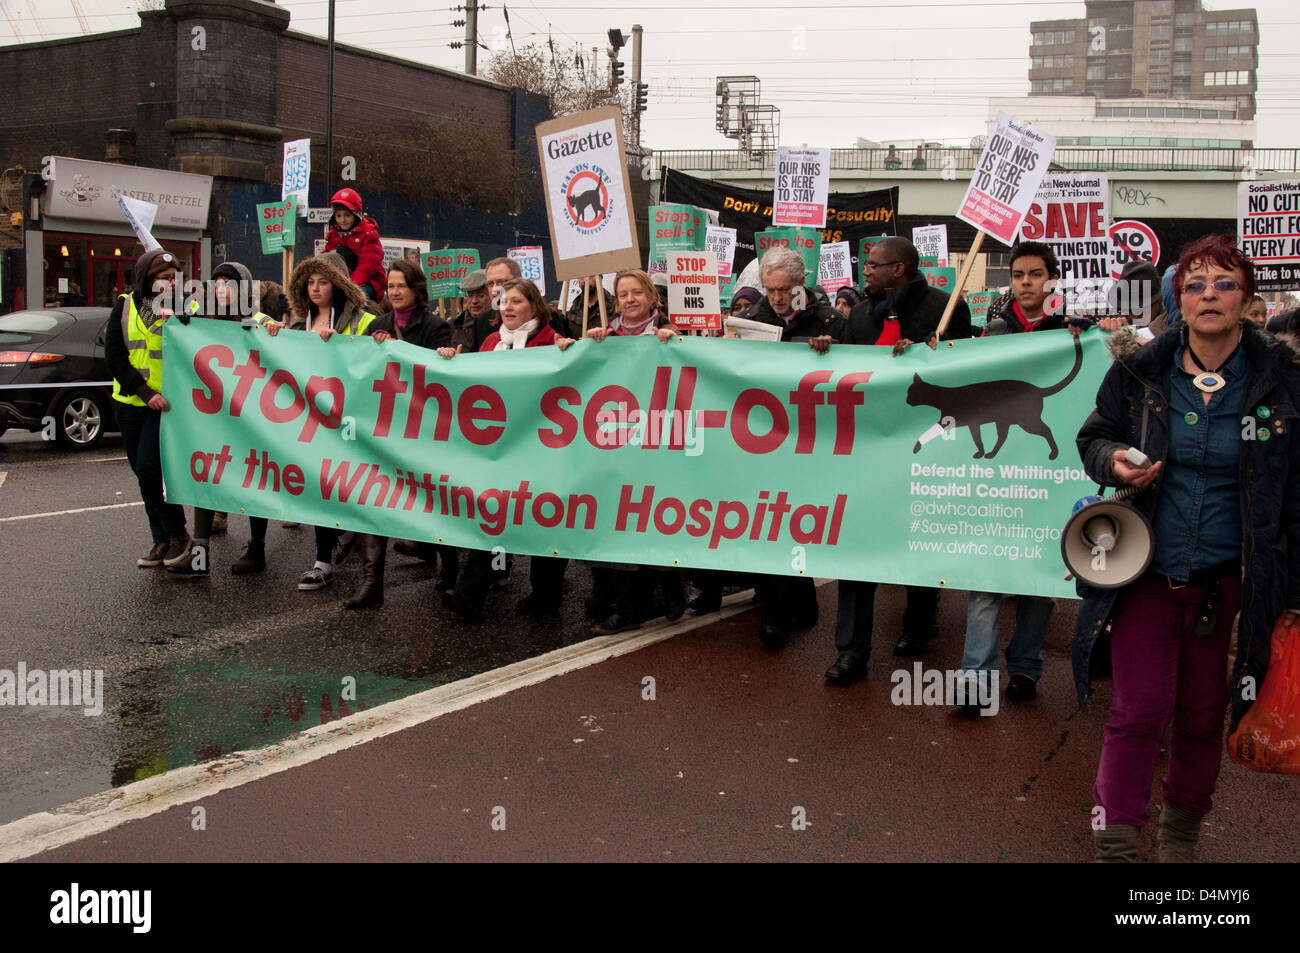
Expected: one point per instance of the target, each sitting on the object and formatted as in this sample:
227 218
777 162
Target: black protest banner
851 216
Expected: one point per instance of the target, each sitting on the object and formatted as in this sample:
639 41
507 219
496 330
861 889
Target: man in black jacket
803 314
900 309
896 291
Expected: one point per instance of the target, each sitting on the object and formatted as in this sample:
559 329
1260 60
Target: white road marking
105 459
3 474
109 809
84 509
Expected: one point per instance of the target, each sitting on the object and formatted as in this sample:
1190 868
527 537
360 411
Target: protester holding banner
1034 270
639 309
524 323
901 307
322 299
133 351
803 314
846 299
228 279
407 317
1215 497
352 229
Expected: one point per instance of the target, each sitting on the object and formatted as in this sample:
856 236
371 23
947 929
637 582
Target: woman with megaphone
1212 402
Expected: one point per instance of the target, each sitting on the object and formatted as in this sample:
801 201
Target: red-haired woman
1219 501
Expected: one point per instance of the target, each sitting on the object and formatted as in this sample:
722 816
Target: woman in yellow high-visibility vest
133 350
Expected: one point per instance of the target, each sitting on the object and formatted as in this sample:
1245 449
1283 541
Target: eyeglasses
869 264
1223 286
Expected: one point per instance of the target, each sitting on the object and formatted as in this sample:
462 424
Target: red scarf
891 334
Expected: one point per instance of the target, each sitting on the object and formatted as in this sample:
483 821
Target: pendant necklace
1209 381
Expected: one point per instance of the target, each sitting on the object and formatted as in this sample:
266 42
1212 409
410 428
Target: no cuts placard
1006 178
1268 221
588 199
802 187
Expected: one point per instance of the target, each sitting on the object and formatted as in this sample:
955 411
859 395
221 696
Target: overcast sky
837 70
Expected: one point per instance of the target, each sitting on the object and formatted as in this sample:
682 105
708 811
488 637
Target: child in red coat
352 228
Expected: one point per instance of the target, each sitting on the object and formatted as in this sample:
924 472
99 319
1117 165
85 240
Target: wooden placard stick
586 304
442 308
600 301
961 284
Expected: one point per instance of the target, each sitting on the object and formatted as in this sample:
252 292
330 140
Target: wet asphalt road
197 669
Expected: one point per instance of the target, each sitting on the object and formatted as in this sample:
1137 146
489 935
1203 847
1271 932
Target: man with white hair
803 314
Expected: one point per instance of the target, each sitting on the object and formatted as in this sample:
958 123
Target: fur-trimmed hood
300 304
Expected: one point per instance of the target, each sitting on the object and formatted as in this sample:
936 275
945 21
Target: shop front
80 249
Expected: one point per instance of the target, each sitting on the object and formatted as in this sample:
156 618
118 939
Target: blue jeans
1025 652
139 427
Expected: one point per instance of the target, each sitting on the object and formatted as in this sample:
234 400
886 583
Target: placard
835 269
408 248
296 173
693 301
1131 240
802 186
941 279
806 241
979 303
1268 227
722 242
588 198
931 241
277 226
1070 214
1007 176
446 269
530 264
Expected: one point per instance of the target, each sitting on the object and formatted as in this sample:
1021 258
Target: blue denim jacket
1198 516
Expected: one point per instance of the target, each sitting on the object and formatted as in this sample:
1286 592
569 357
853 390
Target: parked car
52 369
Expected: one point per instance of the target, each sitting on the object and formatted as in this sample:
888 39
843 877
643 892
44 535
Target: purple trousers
1163 670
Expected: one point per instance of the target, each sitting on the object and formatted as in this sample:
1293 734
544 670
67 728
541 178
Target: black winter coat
919 308
817 319
1133 411
425 329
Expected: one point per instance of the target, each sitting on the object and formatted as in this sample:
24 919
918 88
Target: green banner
864 249
446 269
953 467
806 241
980 301
676 228
277 224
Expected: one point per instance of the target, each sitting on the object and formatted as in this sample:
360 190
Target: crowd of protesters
1202 475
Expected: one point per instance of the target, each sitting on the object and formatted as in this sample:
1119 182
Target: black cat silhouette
1002 403
589 199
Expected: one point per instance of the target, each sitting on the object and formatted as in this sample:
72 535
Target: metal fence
1248 162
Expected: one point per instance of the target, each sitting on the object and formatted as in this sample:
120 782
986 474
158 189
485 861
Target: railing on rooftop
962 161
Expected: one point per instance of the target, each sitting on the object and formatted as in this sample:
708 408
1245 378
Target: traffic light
615 69
642 96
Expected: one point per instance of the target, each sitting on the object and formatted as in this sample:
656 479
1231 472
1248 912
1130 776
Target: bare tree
571 79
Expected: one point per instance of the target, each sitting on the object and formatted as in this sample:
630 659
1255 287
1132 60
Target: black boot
374 549
674 594
253 560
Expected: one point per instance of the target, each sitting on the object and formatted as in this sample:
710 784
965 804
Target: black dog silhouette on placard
1001 403
589 199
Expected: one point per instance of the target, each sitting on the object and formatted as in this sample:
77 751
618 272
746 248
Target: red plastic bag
1268 736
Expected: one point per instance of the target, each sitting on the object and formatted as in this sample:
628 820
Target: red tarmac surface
715 768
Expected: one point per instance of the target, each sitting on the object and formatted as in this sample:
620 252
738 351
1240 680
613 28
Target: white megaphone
1107 543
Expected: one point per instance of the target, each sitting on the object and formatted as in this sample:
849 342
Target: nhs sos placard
1131 240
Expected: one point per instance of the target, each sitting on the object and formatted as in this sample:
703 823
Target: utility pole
329 111
471 37
636 85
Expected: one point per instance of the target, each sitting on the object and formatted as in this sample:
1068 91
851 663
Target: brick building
212 88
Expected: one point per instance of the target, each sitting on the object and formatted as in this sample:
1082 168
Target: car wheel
79 420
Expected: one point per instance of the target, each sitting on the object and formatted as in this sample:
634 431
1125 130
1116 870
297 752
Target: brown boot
1116 844
1176 839
374 550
